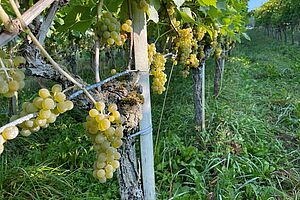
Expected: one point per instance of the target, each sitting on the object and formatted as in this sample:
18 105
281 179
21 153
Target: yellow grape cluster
106 132
185 43
48 106
200 32
111 32
8 133
172 15
157 70
11 82
151 53
11 78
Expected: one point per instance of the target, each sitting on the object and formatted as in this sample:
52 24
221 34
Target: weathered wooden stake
141 63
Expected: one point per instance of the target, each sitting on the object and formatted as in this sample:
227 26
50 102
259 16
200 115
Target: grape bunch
48 106
199 32
185 43
8 133
11 82
157 70
106 132
111 32
11 78
151 53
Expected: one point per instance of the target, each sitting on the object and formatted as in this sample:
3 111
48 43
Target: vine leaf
153 10
186 15
179 3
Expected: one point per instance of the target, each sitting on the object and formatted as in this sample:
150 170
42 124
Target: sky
256 3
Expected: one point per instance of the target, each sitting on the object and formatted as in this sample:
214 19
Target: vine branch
18 121
45 53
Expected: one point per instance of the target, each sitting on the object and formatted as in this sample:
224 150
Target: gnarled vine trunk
199 97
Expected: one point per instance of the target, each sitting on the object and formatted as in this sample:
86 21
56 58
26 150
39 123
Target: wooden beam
28 17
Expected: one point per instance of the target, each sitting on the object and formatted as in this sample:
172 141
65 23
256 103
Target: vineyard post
141 63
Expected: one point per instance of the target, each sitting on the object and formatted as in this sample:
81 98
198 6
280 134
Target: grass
250 149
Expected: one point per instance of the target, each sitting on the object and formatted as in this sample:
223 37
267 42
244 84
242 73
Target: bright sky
256 3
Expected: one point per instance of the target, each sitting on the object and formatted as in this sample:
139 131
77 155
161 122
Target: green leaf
153 10
186 15
221 4
113 5
179 3
246 36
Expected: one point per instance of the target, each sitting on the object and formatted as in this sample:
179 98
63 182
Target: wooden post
141 63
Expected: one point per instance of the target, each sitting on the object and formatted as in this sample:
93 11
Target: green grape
99 118
48 104
30 108
117 155
18 60
115 164
100 106
119 132
13 85
106 35
104 125
44 93
129 22
100 165
99 139
18 75
102 179
10 133
111 118
37 102
110 131
101 157
44 114
110 41
69 105
25 132
2 140
56 89
112 107
40 122
117 143
35 129
100 173
93 113
114 35
61 107
112 27
29 123
116 115
51 119
3 87
109 175
109 168
59 97
103 27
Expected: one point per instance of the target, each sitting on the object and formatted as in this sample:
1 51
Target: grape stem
4 69
18 121
46 54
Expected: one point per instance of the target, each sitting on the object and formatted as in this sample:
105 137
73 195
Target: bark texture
218 74
198 98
